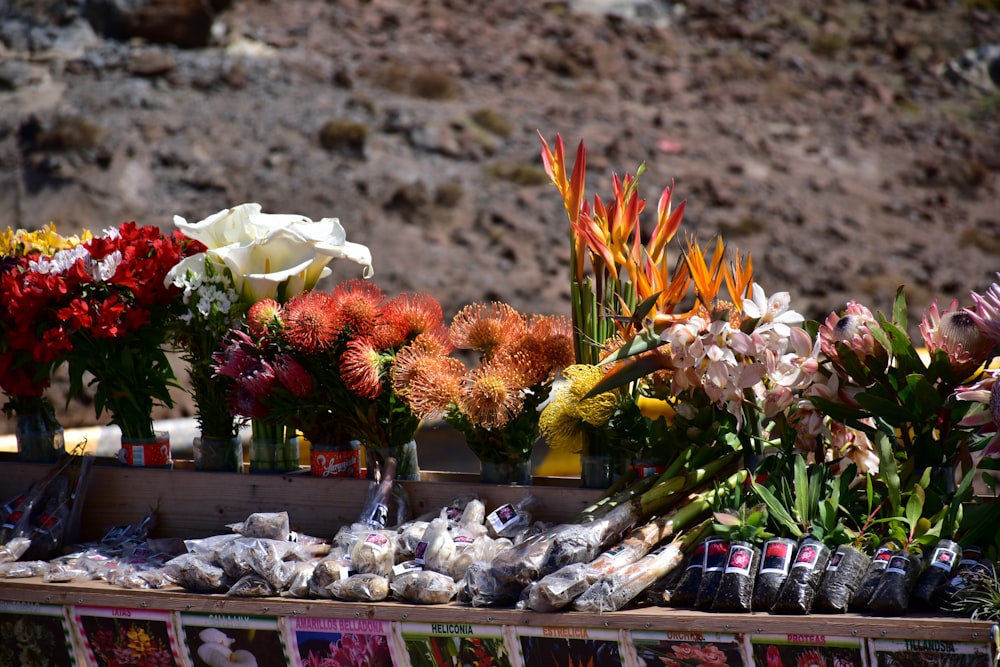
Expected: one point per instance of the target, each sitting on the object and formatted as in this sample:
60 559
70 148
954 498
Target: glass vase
601 470
274 456
405 455
146 452
342 459
218 454
506 472
39 438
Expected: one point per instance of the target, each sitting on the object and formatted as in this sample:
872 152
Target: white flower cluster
772 360
207 294
62 260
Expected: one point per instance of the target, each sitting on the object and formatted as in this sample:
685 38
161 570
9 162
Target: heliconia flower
264 318
492 396
486 328
361 368
292 375
311 322
956 333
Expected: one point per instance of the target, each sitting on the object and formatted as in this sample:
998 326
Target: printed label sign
341 641
806 649
113 636
212 640
687 649
569 646
35 634
433 644
920 652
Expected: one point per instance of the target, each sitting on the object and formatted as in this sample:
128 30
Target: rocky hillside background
850 147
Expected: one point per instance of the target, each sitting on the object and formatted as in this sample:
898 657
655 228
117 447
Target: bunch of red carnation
323 362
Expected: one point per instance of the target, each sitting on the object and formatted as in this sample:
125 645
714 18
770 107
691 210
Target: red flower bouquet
107 308
323 363
34 341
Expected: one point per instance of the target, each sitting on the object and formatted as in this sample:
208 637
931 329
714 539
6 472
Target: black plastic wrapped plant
745 530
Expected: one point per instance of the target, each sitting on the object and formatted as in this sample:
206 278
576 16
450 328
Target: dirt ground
850 147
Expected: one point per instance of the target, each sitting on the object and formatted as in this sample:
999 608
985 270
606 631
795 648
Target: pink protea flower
987 312
957 334
237 357
293 376
987 392
853 329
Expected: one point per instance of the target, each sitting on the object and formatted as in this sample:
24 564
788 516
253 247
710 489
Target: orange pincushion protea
359 305
311 324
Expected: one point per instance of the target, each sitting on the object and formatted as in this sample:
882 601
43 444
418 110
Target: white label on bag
777 557
740 560
944 558
502 517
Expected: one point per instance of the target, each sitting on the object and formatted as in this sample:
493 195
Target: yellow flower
568 416
596 410
139 642
45 240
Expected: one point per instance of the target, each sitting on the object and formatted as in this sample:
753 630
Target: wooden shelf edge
940 628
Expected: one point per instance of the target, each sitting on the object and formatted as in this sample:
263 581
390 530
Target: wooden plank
653 618
191 504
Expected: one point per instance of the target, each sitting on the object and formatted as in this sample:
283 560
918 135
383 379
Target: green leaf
888 472
800 482
777 509
644 341
889 410
915 506
902 349
899 314
924 396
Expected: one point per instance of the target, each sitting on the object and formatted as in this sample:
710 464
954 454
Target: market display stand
279 631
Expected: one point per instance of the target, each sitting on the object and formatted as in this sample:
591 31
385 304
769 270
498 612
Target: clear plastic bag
613 592
424 587
374 553
480 587
270 525
193 573
558 589
799 590
436 548
361 588
843 574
